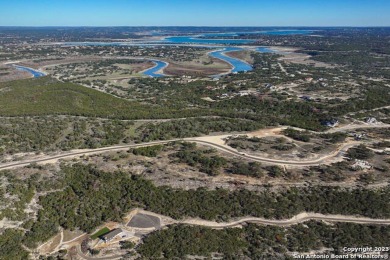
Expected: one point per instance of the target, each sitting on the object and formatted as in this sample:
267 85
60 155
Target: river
201 40
35 73
237 64
152 72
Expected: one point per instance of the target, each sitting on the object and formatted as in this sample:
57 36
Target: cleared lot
144 221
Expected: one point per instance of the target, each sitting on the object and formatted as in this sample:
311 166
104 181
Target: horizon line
220 26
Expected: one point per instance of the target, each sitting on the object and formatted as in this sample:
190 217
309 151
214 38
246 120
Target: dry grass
197 69
51 245
244 55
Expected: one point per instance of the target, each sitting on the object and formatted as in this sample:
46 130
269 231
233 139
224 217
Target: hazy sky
195 12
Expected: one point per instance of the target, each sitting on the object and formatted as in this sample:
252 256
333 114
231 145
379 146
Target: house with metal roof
111 235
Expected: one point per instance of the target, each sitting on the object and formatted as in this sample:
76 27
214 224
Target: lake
194 40
198 39
265 50
203 40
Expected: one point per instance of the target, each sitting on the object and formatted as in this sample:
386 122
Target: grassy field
242 55
101 232
47 96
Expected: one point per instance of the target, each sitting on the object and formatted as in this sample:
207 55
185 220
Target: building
331 123
111 235
371 120
306 98
361 165
309 79
243 93
358 136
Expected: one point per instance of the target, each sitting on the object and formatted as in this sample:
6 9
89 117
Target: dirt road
214 142
300 218
73 154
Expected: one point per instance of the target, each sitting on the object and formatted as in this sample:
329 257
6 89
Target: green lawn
101 232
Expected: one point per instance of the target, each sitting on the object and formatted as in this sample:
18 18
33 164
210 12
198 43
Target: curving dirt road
112 257
51 159
297 219
217 145
300 218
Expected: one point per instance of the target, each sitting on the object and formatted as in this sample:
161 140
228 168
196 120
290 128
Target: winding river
153 72
35 73
237 64
199 40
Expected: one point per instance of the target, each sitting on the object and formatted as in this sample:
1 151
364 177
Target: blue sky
195 12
